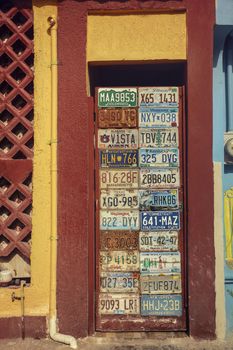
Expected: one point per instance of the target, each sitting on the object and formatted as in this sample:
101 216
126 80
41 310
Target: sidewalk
117 343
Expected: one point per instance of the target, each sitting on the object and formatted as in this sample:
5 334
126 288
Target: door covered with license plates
140 233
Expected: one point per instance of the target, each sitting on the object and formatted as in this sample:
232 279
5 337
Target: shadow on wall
146 74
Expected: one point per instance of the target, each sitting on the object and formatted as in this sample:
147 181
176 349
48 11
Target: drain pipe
62 338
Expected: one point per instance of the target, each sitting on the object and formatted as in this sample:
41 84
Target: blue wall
224 25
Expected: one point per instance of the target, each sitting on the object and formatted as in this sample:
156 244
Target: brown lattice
15 215
16 84
16 133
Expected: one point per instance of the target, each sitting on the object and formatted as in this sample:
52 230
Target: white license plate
158 118
158 137
119 199
119 282
119 178
158 241
160 284
117 138
160 178
119 304
160 96
159 263
119 220
117 261
159 157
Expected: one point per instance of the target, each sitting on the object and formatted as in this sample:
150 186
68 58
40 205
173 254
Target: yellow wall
136 37
37 295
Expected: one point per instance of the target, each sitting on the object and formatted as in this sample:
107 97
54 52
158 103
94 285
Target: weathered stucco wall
74 151
135 37
37 295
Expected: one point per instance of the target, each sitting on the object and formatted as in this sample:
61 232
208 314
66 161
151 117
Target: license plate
155 200
160 284
158 118
117 118
161 305
119 159
119 220
158 157
160 178
118 138
119 240
118 282
119 304
119 261
160 263
158 241
119 199
119 178
160 220
158 137
158 96
117 97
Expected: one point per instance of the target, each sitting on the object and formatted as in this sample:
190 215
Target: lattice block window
16 135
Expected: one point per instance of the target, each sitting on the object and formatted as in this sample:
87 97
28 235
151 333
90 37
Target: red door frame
74 181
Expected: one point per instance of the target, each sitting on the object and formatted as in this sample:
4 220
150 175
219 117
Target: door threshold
122 336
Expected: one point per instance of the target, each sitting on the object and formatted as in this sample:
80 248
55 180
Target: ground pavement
118 342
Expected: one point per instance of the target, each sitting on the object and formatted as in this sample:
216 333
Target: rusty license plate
158 137
158 118
117 261
119 220
158 96
160 178
118 138
119 304
158 241
118 240
119 158
117 97
161 305
158 199
160 284
117 118
119 178
119 199
119 282
159 157
160 263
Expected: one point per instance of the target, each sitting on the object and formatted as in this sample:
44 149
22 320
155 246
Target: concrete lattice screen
16 135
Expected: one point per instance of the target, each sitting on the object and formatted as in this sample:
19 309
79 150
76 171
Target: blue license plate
160 220
161 305
119 159
154 200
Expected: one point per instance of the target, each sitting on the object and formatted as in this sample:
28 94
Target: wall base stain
35 327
